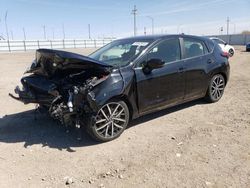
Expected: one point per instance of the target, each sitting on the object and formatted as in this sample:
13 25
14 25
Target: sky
113 18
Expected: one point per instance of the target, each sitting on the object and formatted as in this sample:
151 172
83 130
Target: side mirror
226 44
153 64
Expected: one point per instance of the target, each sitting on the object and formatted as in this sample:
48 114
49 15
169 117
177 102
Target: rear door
196 59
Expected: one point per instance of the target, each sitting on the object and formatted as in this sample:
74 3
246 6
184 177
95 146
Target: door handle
209 61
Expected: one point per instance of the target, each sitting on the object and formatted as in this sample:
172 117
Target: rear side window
210 45
167 50
194 48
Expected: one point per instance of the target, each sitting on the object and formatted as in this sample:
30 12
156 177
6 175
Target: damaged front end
62 82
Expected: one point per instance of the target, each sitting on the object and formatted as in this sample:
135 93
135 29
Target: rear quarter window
194 47
210 45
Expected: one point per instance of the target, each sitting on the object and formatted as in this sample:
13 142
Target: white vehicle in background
224 46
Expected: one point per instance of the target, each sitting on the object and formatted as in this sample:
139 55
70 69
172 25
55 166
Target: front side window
119 53
168 51
193 48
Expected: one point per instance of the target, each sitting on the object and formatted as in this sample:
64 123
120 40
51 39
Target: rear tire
109 122
231 52
216 88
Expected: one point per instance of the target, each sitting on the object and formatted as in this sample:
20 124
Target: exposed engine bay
62 83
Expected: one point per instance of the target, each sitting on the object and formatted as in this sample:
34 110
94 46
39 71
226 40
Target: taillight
225 54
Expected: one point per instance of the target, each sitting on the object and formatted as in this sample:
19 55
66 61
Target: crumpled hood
48 62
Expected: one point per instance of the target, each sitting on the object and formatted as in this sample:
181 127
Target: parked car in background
124 80
224 46
248 47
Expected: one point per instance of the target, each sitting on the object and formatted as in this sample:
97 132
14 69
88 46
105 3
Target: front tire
216 88
109 122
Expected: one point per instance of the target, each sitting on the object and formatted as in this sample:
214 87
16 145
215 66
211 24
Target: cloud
185 7
60 3
204 28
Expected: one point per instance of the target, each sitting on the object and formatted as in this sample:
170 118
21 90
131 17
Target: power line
89 31
152 23
11 33
53 33
228 25
63 30
178 28
134 12
24 34
1 37
44 32
234 26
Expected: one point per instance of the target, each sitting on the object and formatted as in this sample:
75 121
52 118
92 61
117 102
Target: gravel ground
193 145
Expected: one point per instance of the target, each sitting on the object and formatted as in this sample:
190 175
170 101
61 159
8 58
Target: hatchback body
124 80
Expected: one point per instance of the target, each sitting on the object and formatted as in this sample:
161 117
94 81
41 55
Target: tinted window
168 51
210 45
193 48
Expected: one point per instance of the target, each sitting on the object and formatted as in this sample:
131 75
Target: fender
120 83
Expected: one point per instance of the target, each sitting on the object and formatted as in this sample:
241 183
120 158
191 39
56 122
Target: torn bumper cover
22 96
29 93
40 90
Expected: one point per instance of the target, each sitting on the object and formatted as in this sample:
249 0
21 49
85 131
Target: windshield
121 52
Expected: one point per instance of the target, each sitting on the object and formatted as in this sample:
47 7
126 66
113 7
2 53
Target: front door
164 86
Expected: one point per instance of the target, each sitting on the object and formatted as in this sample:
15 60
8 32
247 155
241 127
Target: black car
123 80
248 46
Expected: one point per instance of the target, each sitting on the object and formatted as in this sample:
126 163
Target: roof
155 37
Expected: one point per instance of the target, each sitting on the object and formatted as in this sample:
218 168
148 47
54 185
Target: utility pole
89 31
44 32
24 34
152 22
6 25
134 12
63 30
145 31
228 25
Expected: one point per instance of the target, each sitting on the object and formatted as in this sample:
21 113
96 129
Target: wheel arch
224 71
224 76
125 99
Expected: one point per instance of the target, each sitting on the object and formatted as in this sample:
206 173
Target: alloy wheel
111 119
231 52
217 87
